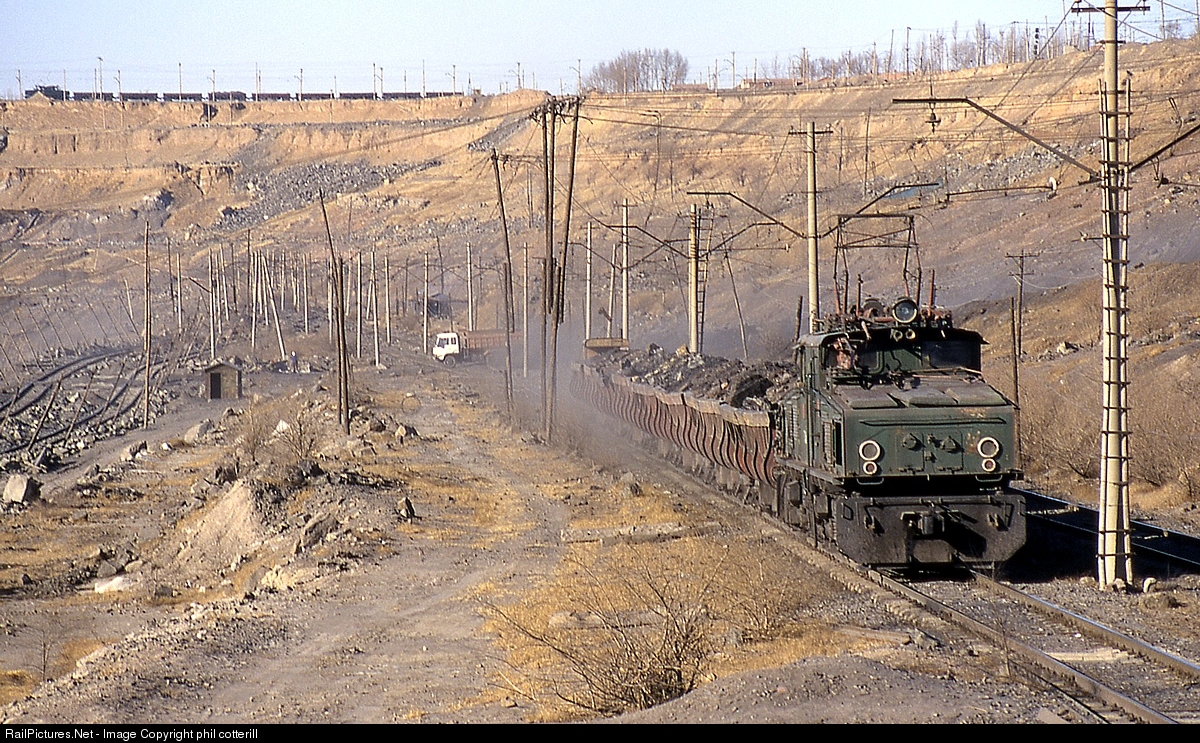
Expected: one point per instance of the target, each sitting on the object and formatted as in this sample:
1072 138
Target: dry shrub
303 433
255 428
260 431
1166 425
645 622
1058 430
757 598
639 636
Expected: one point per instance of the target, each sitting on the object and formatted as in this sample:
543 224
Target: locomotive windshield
884 356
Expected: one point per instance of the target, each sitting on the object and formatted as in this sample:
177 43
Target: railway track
1115 676
72 396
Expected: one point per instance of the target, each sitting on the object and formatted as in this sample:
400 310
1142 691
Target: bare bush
1059 432
640 638
758 599
302 433
1166 425
255 429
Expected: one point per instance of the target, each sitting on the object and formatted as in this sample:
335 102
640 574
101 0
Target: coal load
731 382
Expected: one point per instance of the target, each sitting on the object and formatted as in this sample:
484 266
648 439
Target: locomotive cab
893 446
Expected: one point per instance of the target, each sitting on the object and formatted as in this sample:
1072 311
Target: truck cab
446 347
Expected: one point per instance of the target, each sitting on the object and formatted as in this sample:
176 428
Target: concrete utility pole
425 307
814 299
587 295
470 290
1114 558
338 296
387 297
375 308
146 410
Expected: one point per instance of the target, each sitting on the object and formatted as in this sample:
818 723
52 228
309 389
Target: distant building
222 381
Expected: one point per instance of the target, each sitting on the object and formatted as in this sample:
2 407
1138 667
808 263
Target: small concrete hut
222 381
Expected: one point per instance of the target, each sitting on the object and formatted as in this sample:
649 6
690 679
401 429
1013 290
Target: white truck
466 345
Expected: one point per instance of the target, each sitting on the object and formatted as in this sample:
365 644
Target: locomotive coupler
925 524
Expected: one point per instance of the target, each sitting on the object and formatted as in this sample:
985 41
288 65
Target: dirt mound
244 517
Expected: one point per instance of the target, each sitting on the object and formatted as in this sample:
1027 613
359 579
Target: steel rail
1026 652
1093 629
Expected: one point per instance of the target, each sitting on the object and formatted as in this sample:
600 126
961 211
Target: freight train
881 437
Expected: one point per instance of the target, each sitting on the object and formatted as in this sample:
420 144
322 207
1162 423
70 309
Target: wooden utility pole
329 300
525 312
1016 370
1020 276
548 113
358 305
146 408
587 294
337 268
508 289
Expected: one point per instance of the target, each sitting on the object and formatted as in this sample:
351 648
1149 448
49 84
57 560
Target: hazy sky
147 41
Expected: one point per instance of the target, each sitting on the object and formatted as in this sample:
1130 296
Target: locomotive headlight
989 465
988 447
870 450
870 469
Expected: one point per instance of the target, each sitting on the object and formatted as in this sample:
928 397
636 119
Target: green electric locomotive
892 446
